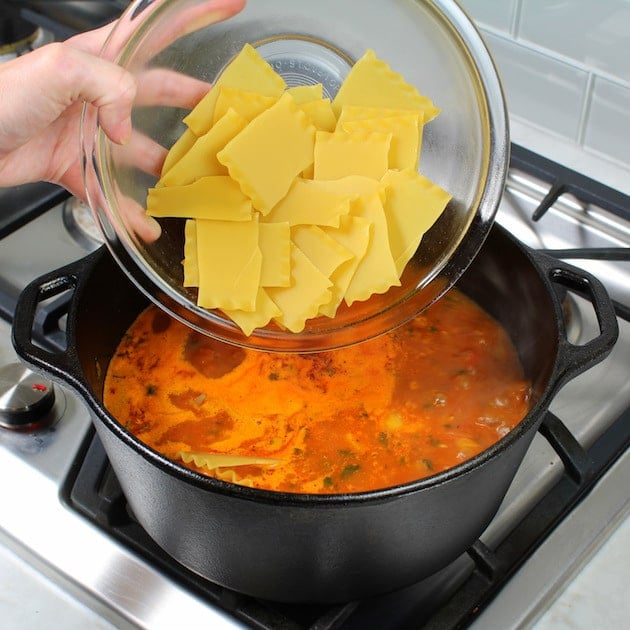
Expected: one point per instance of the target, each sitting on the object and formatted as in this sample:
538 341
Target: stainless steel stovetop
131 591
517 556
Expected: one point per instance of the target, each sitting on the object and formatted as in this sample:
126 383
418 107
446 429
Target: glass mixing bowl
170 44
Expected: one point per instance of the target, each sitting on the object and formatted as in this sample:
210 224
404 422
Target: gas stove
64 514
75 525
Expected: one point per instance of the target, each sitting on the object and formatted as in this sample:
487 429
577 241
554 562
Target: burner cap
17 35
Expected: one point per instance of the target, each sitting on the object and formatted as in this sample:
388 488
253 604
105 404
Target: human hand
41 95
41 100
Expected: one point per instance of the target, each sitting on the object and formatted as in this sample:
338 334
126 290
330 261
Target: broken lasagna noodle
295 203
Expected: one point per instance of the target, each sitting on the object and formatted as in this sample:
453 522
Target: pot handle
59 364
575 359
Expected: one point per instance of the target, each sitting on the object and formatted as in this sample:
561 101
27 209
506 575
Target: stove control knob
25 397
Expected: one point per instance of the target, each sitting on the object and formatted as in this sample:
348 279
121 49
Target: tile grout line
586 108
585 78
515 24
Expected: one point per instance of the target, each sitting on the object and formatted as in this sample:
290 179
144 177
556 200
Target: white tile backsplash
565 65
538 88
595 33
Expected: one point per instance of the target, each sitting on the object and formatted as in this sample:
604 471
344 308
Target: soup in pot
419 400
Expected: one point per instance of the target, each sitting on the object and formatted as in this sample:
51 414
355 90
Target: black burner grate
564 180
15 32
450 599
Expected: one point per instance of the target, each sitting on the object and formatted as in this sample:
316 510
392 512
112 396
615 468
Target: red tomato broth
417 401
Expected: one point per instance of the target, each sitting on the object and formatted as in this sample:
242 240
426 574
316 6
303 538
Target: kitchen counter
29 600
597 596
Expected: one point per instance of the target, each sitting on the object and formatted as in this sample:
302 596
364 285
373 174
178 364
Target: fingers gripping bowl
177 48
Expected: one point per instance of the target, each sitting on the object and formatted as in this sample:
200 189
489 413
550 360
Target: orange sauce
406 405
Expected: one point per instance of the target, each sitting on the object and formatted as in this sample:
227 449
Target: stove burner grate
94 491
16 33
450 599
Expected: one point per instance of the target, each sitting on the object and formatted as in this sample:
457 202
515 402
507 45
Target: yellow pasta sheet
200 160
190 262
178 150
354 235
247 71
265 310
320 113
246 104
339 154
305 93
372 83
372 269
213 197
212 461
311 202
229 264
309 290
321 249
352 113
404 150
270 153
275 245
355 185
377 271
412 206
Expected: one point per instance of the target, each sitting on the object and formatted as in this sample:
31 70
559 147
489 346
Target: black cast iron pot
312 548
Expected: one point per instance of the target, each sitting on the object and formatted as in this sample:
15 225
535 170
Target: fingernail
154 229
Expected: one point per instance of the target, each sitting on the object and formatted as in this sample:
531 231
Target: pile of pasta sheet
294 203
